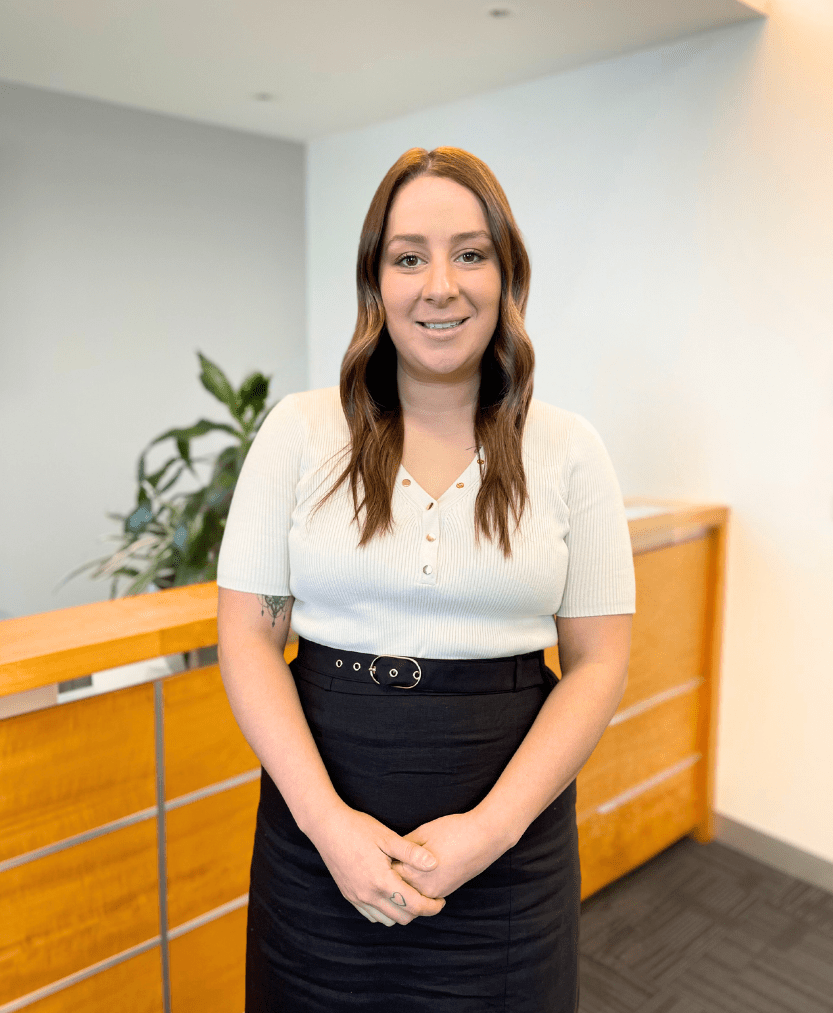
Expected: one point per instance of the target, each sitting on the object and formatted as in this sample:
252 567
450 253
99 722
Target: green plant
173 538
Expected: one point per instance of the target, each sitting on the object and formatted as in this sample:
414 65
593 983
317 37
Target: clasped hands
380 872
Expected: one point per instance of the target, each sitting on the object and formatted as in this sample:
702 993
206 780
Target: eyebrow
458 237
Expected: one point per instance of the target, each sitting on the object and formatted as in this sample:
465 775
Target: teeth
443 327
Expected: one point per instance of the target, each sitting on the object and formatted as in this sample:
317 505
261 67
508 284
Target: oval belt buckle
393 673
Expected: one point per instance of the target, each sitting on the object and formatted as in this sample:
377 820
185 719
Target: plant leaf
138 519
253 393
215 382
198 429
173 538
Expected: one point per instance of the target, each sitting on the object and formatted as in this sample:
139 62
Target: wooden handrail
50 647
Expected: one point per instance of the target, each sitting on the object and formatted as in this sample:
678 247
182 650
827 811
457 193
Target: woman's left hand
463 845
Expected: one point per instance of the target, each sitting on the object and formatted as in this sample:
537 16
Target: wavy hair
368 388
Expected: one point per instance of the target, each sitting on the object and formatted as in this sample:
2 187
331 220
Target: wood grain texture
67 911
72 768
678 521
210 851
707 723
203 744
672 626
669 641
614 843
49 647
635 750
221 946
134 986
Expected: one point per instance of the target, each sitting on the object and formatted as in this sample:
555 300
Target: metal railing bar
72 979
209 916
643 786
212 789
82 838
656 699
162 857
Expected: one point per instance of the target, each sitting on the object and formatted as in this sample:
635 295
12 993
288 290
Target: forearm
562 737
263 697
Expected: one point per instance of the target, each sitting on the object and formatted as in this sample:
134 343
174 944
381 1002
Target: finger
414 879
363 911
410 853
380 916
403 869
406 903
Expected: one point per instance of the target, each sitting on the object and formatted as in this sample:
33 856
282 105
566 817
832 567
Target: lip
443 333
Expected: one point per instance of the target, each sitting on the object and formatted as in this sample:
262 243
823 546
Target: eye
407 257
472 253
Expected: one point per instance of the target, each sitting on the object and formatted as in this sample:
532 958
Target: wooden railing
127 817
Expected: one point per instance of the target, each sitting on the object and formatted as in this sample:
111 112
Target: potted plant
172 538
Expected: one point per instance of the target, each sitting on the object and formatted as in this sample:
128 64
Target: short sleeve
600 575
254 553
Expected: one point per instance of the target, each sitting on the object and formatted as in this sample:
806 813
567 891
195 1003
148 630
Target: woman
416 844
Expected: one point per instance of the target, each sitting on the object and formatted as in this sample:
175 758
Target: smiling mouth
441 326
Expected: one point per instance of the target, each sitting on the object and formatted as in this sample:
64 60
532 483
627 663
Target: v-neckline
416 493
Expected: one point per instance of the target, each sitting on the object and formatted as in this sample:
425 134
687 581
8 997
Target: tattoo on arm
274 605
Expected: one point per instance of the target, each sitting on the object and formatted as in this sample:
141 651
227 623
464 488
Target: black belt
355 672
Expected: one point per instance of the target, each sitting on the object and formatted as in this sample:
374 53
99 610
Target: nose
440 281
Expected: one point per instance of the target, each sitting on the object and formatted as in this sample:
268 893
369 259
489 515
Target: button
429 506
480 460
460 485
406 481
427 569
429 538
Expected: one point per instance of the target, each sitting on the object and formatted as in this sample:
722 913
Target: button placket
429 509
429 543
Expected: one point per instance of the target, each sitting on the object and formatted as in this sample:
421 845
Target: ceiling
311 67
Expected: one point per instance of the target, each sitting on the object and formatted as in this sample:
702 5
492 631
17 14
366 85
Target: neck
438 402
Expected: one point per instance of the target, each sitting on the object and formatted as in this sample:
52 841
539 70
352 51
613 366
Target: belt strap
344 671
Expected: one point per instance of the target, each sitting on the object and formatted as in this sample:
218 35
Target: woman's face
438 266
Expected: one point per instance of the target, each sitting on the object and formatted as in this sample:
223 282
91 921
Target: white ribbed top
426 590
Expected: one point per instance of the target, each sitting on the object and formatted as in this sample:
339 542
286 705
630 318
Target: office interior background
677 204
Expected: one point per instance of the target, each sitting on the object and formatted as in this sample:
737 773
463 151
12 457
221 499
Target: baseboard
772 851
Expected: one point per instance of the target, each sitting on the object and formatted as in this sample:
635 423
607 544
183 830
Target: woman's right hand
359 850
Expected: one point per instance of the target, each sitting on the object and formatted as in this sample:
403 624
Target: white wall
127 242
677 205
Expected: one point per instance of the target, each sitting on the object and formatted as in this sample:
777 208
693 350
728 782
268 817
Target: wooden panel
67 911
210 851
707 725
41 649
551 659
637 749
221 946
71 768
203 744
670 628
674 524
614 843
134 986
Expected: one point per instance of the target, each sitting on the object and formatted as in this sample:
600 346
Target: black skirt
506 940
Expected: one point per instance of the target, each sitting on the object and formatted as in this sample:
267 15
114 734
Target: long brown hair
369 394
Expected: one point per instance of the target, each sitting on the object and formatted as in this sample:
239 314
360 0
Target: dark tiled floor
705 929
